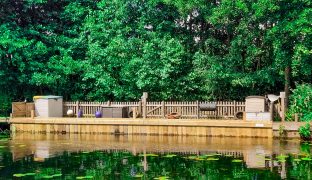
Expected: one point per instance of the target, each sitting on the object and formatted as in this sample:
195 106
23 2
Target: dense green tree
179 50
140 49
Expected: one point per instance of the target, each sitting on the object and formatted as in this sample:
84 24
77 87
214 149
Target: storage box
257 116
48 106
255 104
115 112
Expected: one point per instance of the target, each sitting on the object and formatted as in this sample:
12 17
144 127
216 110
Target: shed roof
257 97
47 97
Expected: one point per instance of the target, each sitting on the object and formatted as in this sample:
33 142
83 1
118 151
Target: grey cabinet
114 112
48 106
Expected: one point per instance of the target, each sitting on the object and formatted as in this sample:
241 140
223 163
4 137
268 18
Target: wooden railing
187 110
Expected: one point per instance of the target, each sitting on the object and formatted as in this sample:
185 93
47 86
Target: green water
110 157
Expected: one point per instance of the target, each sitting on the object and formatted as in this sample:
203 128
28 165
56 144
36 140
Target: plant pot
173 115
98 114
80 113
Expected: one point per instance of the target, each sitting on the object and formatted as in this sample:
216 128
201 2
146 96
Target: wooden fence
187 110
22 109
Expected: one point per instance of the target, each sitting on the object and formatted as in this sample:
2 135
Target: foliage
5 104
125 165
281 131
289 116
175 50
305 132
301 102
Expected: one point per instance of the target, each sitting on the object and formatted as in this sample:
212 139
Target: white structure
255 109
255 104
257 116
48 106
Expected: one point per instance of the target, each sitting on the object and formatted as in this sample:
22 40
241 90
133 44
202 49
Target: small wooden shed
48 106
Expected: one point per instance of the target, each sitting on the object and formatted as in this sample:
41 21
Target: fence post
32 114
282 96
144 98
197 104
272 111
296 117
140 108
144 109
134 111
77 108
163 109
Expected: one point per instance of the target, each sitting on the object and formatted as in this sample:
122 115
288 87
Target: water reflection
154 154
46 145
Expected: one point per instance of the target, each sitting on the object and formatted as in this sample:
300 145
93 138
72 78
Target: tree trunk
287 86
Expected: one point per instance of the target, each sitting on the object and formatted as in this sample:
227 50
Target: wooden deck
175 127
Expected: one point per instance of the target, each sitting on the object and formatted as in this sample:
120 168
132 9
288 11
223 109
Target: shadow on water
78 156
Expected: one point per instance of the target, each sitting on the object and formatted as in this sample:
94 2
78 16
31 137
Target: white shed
255 109
255 104
48 106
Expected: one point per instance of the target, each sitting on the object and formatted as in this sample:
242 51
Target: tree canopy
180 50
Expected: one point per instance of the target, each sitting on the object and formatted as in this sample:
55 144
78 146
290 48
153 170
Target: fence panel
187 110
22 109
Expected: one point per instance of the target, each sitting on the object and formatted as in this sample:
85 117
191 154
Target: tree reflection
125 165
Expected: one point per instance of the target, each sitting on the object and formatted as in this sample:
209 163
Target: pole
140 108
77 108
144 102
163 109
271 111
283 106
197 114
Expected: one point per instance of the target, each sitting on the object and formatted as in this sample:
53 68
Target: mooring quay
187 127
250 118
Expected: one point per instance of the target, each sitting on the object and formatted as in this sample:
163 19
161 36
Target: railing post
77 108
197 104
272 111
296 117
140 108
32 114
144 98
282 96
134 111
144 109
163 109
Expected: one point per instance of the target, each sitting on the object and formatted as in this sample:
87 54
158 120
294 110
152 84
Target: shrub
5 105
301 102
281 131
304 131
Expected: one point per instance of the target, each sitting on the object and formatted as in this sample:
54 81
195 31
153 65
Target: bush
304 131
301 102
5 105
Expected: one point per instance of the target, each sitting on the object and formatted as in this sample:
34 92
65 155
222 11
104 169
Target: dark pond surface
39 156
